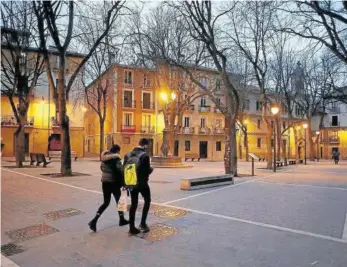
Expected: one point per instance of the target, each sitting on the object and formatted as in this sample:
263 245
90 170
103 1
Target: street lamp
317 133
274 110
305 125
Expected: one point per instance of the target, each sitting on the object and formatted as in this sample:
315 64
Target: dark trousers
146 194
109 189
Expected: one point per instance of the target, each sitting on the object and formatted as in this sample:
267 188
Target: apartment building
42 113
135 110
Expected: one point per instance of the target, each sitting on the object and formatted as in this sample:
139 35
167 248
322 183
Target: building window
298 111
335 120
128 99
259 123
218 146
285 111
146 100
147 120
272 143
186 122
217 84
259 104
284 125
218 99
246 104
187 145
203 101
202 122
57 62
146 81
128 77
219 123
128 119
259 142
272 124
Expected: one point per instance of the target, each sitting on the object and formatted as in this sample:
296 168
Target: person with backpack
137 169
336 156
112 180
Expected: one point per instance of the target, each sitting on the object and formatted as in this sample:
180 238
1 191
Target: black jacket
112 168
145 168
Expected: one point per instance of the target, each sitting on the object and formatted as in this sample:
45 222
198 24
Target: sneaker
123 221
92 225
144 228
134 231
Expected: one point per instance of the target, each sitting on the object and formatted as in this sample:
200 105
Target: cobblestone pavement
295 217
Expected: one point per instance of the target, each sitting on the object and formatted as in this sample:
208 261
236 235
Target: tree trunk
65 167
102 133
230 154
309 140
168 142
246 145
278 139
19 146
268 151
240 146
296 145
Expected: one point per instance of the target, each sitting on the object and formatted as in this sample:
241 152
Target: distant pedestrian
137 167
336 156
112 182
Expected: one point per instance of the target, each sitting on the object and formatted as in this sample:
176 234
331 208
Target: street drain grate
159 232
165 212
58 175
160 182
11 249
55 215
31 232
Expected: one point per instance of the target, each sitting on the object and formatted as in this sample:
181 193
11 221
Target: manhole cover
159 232
58 175
160 182
165 212
55 215
11 249
30 232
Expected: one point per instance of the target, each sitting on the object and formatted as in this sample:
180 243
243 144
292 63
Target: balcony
334 124
147 129
334 139
204 130
128 129
11 121
148 105
190 108
129 104
204 108
187 130
219 130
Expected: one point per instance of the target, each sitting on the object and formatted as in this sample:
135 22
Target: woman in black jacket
112 181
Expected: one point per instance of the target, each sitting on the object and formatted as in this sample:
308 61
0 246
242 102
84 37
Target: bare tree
322 22
59 16
21 65
251 27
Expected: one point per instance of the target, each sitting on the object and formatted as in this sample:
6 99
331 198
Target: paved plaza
295 217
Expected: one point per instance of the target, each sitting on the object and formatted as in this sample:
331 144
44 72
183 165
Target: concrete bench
57 155
279 163
262 159
38 158
191 156
204 182
291 161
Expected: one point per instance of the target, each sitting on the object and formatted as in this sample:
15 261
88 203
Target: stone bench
291 161
205 182
279 163
38 158
191 156
57 155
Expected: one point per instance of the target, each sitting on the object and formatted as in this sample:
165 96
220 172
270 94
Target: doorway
150 147
176 148
203 149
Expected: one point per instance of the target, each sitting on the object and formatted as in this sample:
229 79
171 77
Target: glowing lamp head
317 132
163 96
173 96
305 125
275 110
84 109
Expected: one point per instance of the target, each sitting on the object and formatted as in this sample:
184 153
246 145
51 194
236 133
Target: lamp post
305 125
274 110
317 133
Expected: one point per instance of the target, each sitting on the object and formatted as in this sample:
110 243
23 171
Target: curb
6 262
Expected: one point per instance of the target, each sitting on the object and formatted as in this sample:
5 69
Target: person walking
112 181
336 155
143 170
